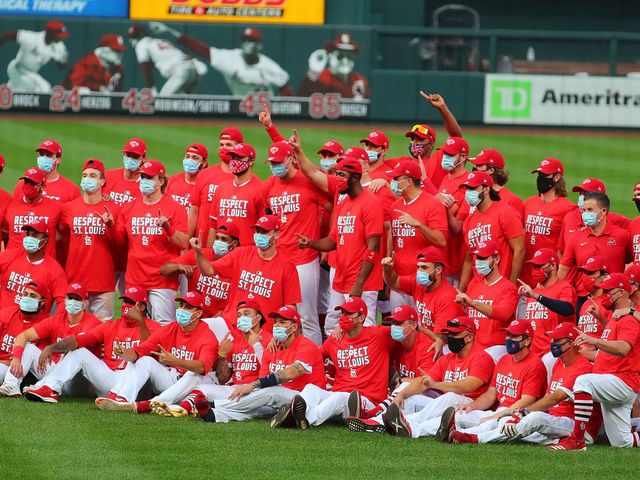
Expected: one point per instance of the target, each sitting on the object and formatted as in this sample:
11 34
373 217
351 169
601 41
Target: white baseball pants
162 303
253 405
323 404
337 298
324 291
29 363
399 298
23 80
101 304
309 278
537 427
136 374
426 422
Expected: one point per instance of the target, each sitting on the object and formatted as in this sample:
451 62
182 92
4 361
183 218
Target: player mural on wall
102 69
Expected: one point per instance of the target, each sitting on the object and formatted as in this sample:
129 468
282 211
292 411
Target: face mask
261 240
73 307
190 166
424 279
245 323
607 301
448 162
220 248
238 167
590 219
637 202
416 150
539 274
397 191
544 184
373 156
456 344
513 347
472 197
89 185
124 308
223 153
147 186
327 164
278 169
346 323
29 305
581 202
30 190
131 164
589 283
397 333
31 244
45 163
483 267
280 334
556 349
183 317
342 185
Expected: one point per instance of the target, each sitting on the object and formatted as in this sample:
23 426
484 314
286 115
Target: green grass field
74 440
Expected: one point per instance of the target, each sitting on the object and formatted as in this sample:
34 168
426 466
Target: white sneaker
9 390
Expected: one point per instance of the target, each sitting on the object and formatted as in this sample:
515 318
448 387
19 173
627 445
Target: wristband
369 255
632 311
17 351
221 355
170 229
268 381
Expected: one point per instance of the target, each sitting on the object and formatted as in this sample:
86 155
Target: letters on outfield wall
68 8
562 100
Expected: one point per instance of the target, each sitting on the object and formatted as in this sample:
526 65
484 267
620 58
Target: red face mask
238 167
125 309
539 274
30 190
346 323
223 153
589 283
342 184
607 301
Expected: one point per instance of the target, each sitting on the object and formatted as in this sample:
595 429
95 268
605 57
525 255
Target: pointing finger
522 283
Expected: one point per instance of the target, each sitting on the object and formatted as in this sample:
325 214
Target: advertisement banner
309 12
68 8
562 100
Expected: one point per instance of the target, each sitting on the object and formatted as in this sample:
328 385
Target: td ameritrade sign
562 100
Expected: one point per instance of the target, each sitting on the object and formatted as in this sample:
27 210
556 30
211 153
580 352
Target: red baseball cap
615 280
50 146
635 189
229 228
57 28
113 41
379 139
550 165
520 326
38 225
633 273
77 289
590 185
252 33
192 298
243 150
487 248
279 152
477 178
455 145
594 263
357 153
35 175
353 305
268 223
198 149
135 294
489 156
2 162
333 147
249 303
40 288
152 168
135 145
231 133
94 163
404 312
563 330
287 313
542 256
422 131
350 165
460 324
408 168
431 254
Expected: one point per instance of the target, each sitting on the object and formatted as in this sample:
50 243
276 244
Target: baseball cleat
283 418
355 424
355 404
9 390
114 402
447 425
42 394
299 411
461 437
395 423
167 410
569 443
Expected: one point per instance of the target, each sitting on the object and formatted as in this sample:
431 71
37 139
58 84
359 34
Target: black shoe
395 423
355 404
447 425
283 418
364 425
299 411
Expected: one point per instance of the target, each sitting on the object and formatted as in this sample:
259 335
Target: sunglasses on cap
420 129
456 324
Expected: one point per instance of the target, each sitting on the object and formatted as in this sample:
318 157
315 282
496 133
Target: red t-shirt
181 190
243 360
56 328
61 190
433 168
206 184
436 307
362 362
198 344
119 189
89 260
380 172
544 320
451 368
511 199
12 324
503 296
301 350
587 322
627 329
408 363
149 246
563 378
634 233
293 201
16 270
408 240
19 213
455 243
512 379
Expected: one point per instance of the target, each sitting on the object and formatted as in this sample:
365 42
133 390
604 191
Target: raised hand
434 99
406 219
107 217
265 116
163 221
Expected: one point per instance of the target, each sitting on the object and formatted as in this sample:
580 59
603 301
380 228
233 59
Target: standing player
36 50
377 146
634 226
591 317
182 185
102 69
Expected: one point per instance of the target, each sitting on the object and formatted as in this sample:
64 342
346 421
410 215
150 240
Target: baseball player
36 49
634 226
244 69
102 69
614 379
592 315
377 146
5 197
181 71
182 185
130 329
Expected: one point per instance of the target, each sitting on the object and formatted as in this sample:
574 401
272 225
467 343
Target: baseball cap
350 165
57 28
460 324
287 313
431 254
229 228
422 131
40 288
520 326
93 163
192 298
137 30
594 264
279 151
408 168
633 273
550 165
489 156
563 330
455 145
249 303
35 175
135 294
477 178
379 139
198 149
50 146
113 41
333 147
635 189
487 248
357 153
152 168
404 312
542 256
343 42
590 185
243 150
231 133
135 145
615 280
77 289
38 225
251 34
268 223
353 305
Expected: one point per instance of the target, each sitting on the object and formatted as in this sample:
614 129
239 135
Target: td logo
510 98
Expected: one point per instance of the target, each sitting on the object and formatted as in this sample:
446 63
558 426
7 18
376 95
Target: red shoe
569 443
202 404
114 402
461 437
142 407
42 394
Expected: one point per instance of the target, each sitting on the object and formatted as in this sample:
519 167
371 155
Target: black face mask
456 344
544 184
637 202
